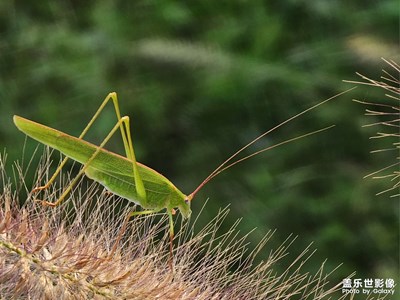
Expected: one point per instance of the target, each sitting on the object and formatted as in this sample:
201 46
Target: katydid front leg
125 224
146 212
171 235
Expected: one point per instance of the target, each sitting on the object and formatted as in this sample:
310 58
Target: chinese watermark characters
368 286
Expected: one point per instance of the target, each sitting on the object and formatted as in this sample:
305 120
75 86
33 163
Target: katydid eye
186 200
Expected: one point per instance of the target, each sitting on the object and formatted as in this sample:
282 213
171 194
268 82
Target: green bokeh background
199 79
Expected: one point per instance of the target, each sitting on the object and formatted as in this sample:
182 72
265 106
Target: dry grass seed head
67 252
386 115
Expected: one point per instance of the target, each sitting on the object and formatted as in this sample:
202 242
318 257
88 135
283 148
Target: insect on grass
125 176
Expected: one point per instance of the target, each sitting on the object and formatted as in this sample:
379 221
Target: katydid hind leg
52 178
138 179
123 120
127 141
111 96
123 125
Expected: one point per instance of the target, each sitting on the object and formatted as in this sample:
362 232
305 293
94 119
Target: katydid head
184 208
177 199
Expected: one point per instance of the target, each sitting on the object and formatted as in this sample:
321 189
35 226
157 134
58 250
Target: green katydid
124 176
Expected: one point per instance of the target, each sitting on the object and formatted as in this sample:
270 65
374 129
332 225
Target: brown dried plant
74 252
386 115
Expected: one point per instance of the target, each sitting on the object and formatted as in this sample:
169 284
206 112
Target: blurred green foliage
200 79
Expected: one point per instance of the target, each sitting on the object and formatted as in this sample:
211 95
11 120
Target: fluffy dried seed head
77 251
386 115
